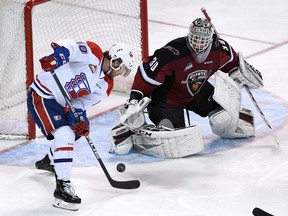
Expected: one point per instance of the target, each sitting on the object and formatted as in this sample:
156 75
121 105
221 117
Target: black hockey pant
202 105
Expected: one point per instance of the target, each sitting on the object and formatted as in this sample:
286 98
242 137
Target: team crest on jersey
78 86
195 80
93 68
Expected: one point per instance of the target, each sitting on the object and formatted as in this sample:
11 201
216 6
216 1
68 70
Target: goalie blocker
246 75
161 141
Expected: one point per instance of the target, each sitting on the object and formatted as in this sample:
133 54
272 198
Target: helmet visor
118 65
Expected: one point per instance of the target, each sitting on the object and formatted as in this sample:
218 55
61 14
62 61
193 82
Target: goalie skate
65 196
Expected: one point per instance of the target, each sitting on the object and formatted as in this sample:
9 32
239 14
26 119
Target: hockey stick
209 20
262 115
247 88
133 184
259 212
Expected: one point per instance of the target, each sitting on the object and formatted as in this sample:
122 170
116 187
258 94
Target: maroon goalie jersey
171 74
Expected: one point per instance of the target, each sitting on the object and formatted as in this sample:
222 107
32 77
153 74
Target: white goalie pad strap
132 114
121 142
247 74
168 144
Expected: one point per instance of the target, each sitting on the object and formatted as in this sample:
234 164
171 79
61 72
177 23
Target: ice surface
229 178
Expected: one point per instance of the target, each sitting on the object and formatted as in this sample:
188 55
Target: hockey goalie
177 77
162 141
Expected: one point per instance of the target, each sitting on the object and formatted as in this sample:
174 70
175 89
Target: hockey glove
80 124
132 114
55 60
246 75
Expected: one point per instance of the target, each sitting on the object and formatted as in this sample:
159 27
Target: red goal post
30 26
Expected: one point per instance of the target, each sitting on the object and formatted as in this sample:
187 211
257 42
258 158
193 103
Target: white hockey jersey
82 77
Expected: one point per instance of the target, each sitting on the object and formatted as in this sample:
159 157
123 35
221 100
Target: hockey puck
121 167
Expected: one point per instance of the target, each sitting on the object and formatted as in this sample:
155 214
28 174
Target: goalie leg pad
169 144
227 94
227 126
245 126
222 123
225 122
121 142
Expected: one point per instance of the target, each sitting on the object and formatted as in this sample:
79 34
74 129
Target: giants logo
78 86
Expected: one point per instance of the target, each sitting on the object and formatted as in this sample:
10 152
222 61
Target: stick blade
259 212
133 184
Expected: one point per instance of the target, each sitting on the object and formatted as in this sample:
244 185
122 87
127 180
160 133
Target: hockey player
176 77
86 73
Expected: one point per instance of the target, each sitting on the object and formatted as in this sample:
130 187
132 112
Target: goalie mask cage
27 29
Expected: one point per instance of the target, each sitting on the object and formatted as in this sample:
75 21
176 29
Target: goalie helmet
121 55
200 35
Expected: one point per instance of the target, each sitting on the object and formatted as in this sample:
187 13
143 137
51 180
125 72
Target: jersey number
153 64
223 45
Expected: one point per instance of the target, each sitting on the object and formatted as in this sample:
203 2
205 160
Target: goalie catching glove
132 114
55 60
80 123
246 75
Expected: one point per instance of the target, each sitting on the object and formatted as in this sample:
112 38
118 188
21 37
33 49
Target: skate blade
65 205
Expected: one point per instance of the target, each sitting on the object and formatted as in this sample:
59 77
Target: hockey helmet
121 58
200 35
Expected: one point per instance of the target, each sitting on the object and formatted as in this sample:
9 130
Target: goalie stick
247 89
262 115
132 184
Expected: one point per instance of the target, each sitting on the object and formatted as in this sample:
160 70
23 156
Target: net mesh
103 21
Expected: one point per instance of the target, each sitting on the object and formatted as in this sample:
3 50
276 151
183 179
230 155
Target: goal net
27 29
